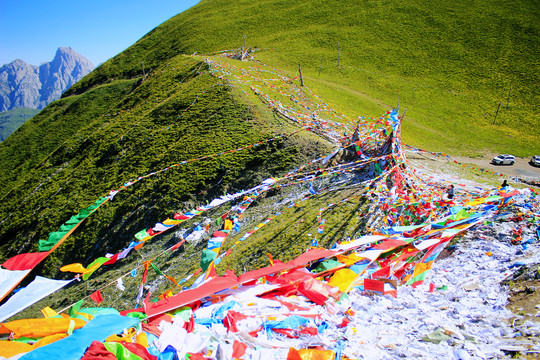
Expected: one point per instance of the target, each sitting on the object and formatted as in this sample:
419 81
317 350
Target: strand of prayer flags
218 238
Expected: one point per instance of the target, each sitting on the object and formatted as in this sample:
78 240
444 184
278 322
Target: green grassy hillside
11 120
451 62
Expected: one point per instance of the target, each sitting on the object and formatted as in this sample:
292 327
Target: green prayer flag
75 308
84 213
141 235
120 351
67 227
57 235
326 265
45 245
26 340
54 237
207 257
184 313
156 269
97 263
137 315
74 220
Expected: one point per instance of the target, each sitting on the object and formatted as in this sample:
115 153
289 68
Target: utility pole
320 67
301 77
497 113
244 48
508 100
144 75
338 53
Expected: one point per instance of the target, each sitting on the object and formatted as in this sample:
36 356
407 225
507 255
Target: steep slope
24 85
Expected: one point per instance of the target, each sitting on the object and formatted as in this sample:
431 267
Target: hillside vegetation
450 62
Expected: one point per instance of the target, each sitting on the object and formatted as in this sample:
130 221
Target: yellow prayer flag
343 279
48 312
228 225
76 268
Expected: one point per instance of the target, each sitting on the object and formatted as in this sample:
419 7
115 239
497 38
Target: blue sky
32 30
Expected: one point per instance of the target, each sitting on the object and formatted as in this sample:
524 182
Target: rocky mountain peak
30 86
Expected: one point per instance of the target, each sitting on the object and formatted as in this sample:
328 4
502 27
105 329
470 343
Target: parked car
535 160
504 159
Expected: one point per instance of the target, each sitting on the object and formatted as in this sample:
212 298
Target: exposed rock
25 85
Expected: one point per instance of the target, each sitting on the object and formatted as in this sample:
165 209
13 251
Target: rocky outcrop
25 85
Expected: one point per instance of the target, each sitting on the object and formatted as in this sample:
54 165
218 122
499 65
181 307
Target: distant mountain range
30 86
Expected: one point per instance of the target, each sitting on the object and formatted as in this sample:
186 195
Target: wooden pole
403 116
497 113
301 77
320 67
244 43
142 62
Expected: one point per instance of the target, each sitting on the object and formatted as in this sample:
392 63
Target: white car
504 159
535 160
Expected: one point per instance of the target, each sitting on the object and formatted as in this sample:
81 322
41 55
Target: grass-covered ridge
451 62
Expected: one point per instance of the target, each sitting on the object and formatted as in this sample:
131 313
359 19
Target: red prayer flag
385 272
197 356
181 217
190 325
191 295
287 332
24 261
96 296
177 245
239 349
145 273
344 323
255 332
315 291
309 331
98 351
151 232
231 319
112 260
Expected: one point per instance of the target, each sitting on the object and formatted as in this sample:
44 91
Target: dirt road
521 169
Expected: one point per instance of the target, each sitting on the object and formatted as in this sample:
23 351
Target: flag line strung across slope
111 195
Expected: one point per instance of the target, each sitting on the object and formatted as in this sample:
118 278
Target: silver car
504 160
535 160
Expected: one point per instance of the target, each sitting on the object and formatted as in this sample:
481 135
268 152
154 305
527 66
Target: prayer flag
96 297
